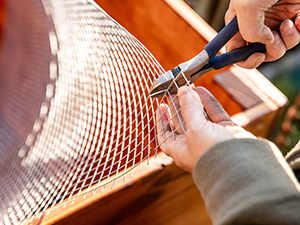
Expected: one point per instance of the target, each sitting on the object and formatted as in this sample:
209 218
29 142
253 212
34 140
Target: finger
175 115
213 108
230 13
236 42
275 50
253 61
191 107
289 33
251 18
163 127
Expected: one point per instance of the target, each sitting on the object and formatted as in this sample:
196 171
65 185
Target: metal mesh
75 111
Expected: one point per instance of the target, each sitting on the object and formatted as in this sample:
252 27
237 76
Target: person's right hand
258 20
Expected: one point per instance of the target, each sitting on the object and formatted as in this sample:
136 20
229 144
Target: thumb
256 31
191 107
251 20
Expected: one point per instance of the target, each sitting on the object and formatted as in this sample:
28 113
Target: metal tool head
164 83
185 73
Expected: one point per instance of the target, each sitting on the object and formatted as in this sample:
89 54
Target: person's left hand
185 143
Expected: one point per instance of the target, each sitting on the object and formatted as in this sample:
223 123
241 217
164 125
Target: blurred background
283 73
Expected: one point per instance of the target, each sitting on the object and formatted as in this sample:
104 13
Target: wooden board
163 193
154 197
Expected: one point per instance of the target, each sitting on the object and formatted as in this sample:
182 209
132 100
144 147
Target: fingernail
287 26
182 91
185 90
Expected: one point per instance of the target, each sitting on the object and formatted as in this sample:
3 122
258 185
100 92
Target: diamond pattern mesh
75 111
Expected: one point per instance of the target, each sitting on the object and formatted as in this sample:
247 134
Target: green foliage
289 84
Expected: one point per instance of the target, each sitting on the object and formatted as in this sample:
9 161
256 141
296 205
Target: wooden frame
162 193
153 197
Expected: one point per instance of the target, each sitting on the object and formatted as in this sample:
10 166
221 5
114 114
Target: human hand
258 21
186 143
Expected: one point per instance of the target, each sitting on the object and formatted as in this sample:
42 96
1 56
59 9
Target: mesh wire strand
75 111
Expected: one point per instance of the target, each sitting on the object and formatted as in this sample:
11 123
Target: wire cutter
207 60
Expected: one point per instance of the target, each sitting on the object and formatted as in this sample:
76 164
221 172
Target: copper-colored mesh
75 111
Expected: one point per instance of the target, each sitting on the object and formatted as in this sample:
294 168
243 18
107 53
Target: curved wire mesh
75 111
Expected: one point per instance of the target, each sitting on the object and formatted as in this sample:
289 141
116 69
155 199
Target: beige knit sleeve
248 181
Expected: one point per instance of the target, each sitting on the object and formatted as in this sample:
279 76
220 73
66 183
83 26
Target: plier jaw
185 73
161 84
190 71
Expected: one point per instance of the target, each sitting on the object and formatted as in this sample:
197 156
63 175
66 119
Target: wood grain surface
163 193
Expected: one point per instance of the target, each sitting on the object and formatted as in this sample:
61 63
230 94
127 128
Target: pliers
188 72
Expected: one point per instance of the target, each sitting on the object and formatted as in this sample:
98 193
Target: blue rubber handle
214 46
236 55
